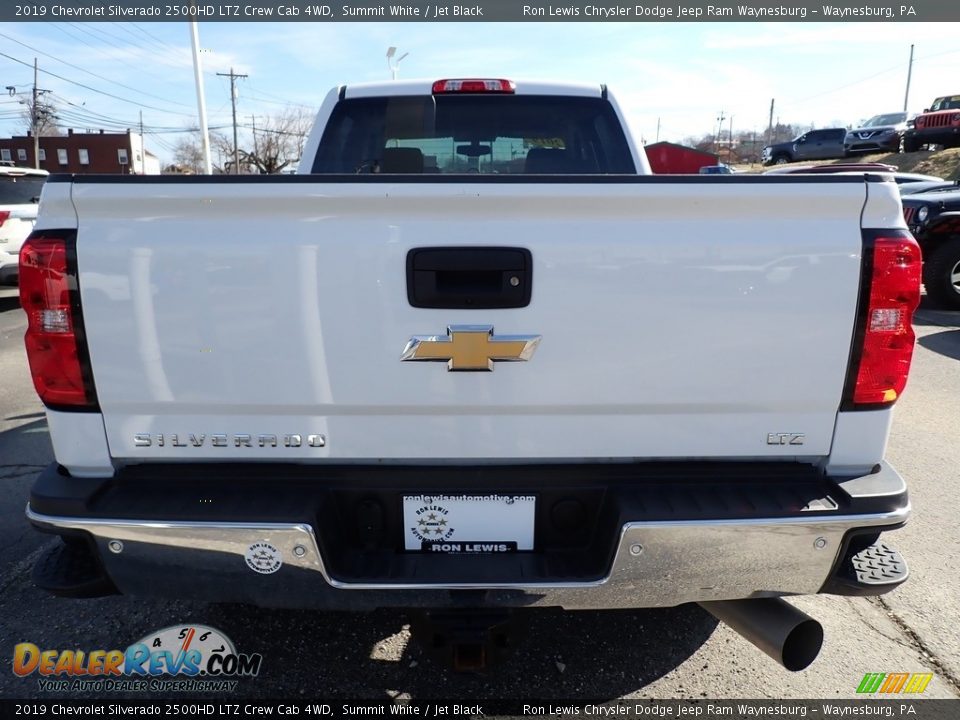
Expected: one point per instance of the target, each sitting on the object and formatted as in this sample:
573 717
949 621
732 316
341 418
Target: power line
101 92
153 37
90 72
57 26
275 132
162 59
90 28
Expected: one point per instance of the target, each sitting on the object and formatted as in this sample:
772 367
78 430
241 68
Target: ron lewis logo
432 522
179 657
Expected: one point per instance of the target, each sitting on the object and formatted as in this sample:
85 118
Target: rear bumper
705 539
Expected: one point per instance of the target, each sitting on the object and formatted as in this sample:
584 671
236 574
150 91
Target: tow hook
467 640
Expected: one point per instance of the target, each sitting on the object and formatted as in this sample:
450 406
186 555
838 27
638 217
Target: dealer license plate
487 523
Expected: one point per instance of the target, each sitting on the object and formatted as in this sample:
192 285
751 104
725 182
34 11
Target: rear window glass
20 190
485 134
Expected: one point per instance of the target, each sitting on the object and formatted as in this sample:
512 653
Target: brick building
87 152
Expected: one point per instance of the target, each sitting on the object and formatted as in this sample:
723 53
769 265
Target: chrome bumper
656 564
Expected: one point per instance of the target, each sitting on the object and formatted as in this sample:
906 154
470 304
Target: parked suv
825 144
19 195
934 219
878 134
939 124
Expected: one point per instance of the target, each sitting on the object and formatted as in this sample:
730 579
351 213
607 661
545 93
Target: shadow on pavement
585 654
946 343
566 655
24 451
930 315
28 416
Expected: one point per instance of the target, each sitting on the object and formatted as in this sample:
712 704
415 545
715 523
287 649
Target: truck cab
824 144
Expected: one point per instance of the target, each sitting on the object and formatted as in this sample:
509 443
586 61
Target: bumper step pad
70 569
872 570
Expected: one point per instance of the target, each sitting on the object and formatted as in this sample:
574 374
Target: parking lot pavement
670 653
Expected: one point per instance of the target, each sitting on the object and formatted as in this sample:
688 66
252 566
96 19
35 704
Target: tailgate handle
469 277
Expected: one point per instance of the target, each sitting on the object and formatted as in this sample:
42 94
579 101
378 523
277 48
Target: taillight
4 214
474 86
56 347
883 346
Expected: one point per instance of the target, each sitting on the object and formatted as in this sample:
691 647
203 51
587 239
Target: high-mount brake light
54 336
474 86
886 327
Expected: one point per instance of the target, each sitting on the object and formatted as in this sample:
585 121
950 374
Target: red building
672 159
88 152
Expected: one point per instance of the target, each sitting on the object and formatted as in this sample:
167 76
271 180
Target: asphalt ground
672 653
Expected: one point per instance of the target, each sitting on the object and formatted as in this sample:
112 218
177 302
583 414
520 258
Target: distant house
672 159
87 152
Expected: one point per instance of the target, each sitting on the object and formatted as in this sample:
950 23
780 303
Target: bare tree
188 153
187 156
46 116
278 142
273 145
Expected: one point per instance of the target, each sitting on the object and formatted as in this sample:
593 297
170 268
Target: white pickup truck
473 358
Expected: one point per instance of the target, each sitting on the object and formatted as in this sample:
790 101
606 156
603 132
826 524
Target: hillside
941 163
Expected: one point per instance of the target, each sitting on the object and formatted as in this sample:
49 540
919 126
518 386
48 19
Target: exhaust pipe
789 636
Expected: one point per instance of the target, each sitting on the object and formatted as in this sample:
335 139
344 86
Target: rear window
20 190
484 134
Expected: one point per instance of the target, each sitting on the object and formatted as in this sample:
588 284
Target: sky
682 76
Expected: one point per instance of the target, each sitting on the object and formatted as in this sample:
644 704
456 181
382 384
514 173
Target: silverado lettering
224 440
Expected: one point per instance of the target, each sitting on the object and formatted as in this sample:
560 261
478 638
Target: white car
19 196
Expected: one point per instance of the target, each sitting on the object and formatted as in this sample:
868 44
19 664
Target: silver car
881 133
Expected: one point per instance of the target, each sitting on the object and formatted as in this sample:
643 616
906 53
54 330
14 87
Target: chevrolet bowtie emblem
470 347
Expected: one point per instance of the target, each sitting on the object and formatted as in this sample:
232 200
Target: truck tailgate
684 318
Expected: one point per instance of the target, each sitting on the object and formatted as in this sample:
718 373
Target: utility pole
770 126
201 101
658 130
143 149
906 95
720 120
730 146
253 125
233 100
35 119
